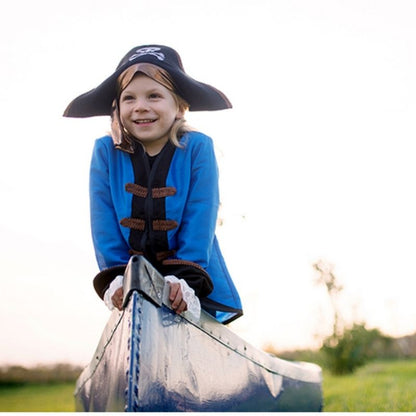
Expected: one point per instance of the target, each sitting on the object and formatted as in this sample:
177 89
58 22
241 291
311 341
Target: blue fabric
194 174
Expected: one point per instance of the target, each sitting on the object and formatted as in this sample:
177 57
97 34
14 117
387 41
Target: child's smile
145 121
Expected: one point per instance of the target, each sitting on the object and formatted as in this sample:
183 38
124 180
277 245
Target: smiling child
154 182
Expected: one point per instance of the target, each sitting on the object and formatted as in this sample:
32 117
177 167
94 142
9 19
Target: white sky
316 159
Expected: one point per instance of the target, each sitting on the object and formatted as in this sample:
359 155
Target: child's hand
176 298
117 298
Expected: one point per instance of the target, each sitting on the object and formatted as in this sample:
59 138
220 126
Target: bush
59 373
345 352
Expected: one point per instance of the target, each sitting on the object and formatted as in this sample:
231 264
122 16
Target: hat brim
98 101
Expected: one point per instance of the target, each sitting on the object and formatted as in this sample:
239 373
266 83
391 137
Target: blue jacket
167 213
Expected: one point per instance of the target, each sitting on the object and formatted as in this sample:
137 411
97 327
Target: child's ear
180 113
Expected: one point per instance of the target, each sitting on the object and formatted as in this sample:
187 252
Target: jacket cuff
196 277
103 279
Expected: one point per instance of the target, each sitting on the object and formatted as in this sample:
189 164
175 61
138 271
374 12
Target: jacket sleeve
110 247
197 230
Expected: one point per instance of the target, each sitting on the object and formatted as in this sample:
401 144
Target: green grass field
38 398
381 386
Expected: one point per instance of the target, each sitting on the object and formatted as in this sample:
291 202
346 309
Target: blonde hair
122 139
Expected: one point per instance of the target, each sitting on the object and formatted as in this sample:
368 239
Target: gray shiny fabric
150 359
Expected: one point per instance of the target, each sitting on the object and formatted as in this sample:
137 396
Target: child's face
147 111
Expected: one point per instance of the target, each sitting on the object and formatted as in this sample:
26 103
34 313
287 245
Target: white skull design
148 51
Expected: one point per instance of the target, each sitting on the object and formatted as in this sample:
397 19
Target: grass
380 386
38 398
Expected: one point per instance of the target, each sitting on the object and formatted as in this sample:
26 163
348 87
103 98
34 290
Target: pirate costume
165 206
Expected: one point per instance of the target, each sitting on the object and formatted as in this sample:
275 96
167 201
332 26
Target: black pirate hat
199 96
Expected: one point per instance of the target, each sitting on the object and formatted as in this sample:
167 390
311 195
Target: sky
316 160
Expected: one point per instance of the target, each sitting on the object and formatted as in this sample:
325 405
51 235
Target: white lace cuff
192 301
114 285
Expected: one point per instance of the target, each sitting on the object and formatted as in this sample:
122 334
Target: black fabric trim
103 279
211 307
197 278
138 204
150 172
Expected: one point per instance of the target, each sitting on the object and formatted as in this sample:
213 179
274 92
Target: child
154 181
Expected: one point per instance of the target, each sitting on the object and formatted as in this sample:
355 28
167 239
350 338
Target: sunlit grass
38 398
381 386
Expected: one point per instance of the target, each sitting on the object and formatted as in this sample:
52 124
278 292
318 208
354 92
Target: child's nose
141 105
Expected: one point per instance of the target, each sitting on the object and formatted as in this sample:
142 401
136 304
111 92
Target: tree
347 347
328 279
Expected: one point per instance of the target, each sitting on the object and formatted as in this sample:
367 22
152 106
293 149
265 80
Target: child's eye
127 98
154 96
